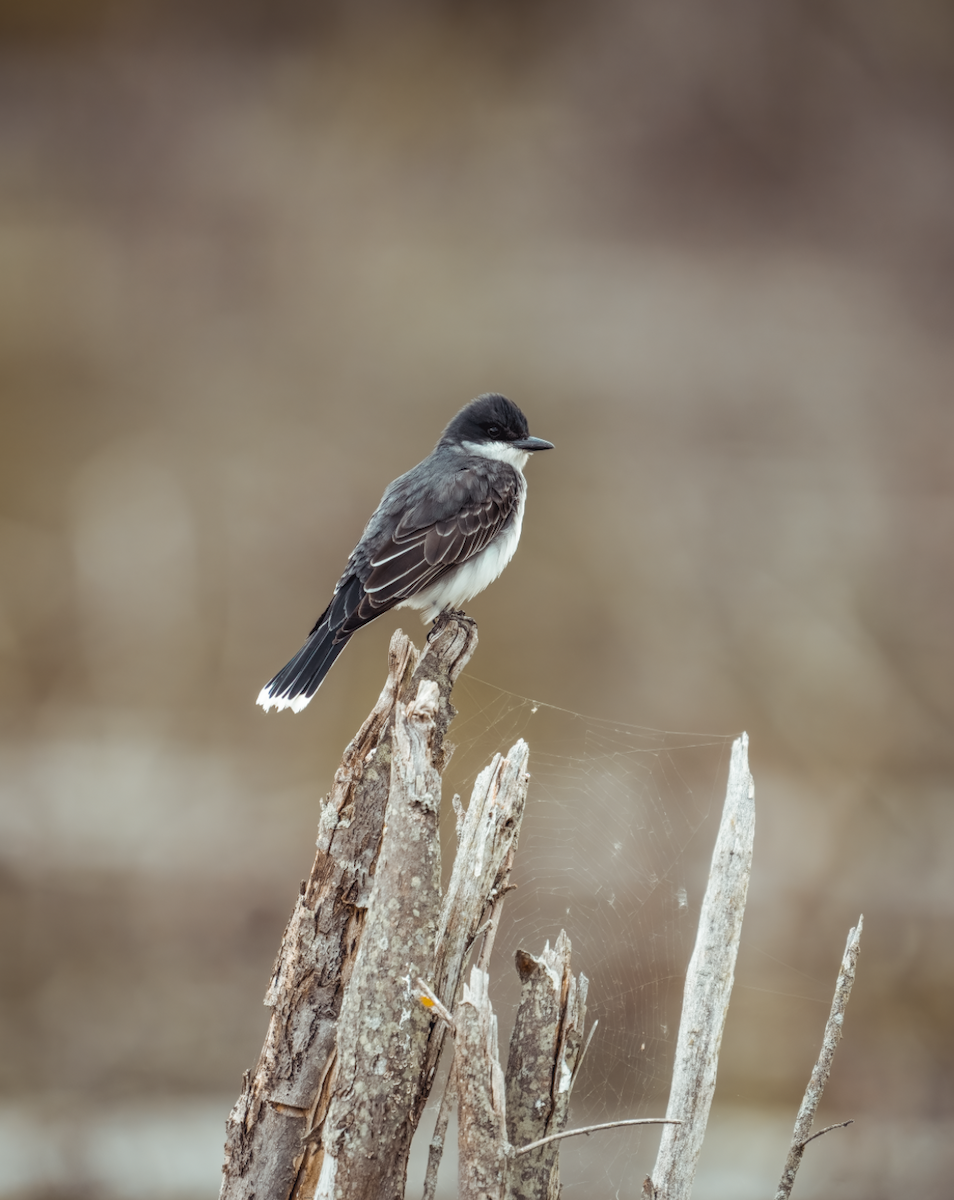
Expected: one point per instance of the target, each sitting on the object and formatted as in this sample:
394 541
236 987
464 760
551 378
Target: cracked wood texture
484 1160
269 1150
709 979
383 1027
544 1050
486 843
388 1043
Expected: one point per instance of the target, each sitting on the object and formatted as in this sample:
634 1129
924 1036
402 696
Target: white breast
470 579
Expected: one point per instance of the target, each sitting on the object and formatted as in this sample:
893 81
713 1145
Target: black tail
301 677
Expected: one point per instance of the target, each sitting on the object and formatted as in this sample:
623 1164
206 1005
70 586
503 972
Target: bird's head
495 427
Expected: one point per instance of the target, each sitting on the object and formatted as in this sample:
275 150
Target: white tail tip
295 703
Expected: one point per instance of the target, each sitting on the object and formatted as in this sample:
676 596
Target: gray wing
435 535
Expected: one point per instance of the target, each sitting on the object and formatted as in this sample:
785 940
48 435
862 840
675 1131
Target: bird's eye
494 431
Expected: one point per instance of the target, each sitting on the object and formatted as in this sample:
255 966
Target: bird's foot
442 619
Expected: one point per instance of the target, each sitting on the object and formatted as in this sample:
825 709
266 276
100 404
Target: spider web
614 848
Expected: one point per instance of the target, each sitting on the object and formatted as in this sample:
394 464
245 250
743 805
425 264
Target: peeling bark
351 1052
486 843
486 846
270 1146
482 1119
544 1050
383 1027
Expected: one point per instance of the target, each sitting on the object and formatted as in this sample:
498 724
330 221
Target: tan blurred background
252 257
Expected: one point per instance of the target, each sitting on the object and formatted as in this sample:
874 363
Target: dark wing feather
346 599
434 536
399 576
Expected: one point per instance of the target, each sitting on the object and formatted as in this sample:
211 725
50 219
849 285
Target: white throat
501 451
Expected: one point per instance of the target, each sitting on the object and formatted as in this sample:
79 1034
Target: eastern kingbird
440 535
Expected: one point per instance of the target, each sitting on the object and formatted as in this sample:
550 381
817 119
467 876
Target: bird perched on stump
441 534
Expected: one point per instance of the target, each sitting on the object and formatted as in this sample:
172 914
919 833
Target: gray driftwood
368 982
708 988
268 1152
802 1134
544 1049
481 1113
383 1028
486 843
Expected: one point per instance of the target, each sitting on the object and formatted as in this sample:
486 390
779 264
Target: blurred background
253 256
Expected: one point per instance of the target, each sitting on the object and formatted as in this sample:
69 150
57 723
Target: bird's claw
442 619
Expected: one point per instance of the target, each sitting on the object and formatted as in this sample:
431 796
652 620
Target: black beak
531 443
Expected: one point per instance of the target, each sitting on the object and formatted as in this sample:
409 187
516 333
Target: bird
442 532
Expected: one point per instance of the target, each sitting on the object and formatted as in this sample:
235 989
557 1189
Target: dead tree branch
435 1147
827 1129
588 1129
486 843
429 1000
708 987
819 1076
481 872
482 1118
544 1049
266 1152
368 982
383 1028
